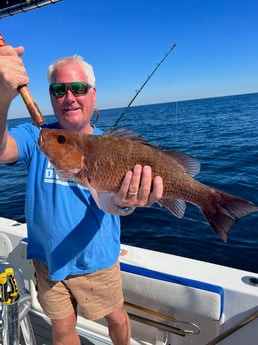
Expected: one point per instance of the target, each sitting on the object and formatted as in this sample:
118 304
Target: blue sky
216 50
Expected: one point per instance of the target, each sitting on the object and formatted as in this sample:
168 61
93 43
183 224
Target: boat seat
177 293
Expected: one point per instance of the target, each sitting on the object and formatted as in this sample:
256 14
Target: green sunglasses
78 88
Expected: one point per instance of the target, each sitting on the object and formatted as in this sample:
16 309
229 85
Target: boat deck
42 332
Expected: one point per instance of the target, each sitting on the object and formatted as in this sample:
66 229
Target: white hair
88 69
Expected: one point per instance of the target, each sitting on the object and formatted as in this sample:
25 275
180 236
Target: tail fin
223 210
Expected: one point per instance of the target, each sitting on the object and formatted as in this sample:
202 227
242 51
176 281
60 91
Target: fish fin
222 211
94 194
103 200
127 134
66 174
191 165
175 206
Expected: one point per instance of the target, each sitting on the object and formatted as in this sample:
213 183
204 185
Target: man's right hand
12 74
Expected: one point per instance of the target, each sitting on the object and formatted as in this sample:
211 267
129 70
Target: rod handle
31 105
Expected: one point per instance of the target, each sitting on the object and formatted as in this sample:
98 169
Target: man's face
73 112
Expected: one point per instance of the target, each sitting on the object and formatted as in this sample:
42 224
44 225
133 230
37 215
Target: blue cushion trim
175 279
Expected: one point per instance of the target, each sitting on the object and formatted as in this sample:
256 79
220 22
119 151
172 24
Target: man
74 245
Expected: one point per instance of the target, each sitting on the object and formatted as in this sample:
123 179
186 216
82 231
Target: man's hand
138 189
12 75
12 72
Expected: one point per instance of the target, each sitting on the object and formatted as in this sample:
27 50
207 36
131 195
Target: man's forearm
3 126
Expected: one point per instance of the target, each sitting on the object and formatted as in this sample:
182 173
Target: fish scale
101 162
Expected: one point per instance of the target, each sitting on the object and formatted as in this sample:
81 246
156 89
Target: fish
100 163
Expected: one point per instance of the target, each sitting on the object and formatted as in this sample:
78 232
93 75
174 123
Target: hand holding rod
24 91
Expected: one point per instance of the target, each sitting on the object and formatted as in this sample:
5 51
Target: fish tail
222 210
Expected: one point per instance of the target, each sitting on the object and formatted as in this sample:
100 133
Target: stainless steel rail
157 324
234 328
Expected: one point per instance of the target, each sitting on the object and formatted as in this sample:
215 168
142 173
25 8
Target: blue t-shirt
66 229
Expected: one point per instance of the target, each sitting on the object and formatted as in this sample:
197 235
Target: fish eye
61 139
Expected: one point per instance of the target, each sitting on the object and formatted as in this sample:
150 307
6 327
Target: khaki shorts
96 294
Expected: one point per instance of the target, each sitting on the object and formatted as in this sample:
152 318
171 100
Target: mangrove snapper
100 163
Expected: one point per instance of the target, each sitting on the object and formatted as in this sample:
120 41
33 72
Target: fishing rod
142 86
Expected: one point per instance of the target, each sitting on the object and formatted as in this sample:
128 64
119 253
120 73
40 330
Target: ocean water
222 133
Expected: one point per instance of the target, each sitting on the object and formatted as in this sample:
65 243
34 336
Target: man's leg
119 327
58 304
64 331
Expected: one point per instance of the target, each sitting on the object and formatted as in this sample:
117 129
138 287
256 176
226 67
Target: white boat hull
214 304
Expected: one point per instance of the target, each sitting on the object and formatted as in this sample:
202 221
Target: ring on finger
132 193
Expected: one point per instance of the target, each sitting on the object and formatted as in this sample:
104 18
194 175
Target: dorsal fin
190 165
127 134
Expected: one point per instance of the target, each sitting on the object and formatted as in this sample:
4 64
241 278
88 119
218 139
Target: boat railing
233 329
178 326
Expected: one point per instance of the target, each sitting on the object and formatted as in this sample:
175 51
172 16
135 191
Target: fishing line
140 89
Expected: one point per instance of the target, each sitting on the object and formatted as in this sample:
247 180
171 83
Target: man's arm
8 146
